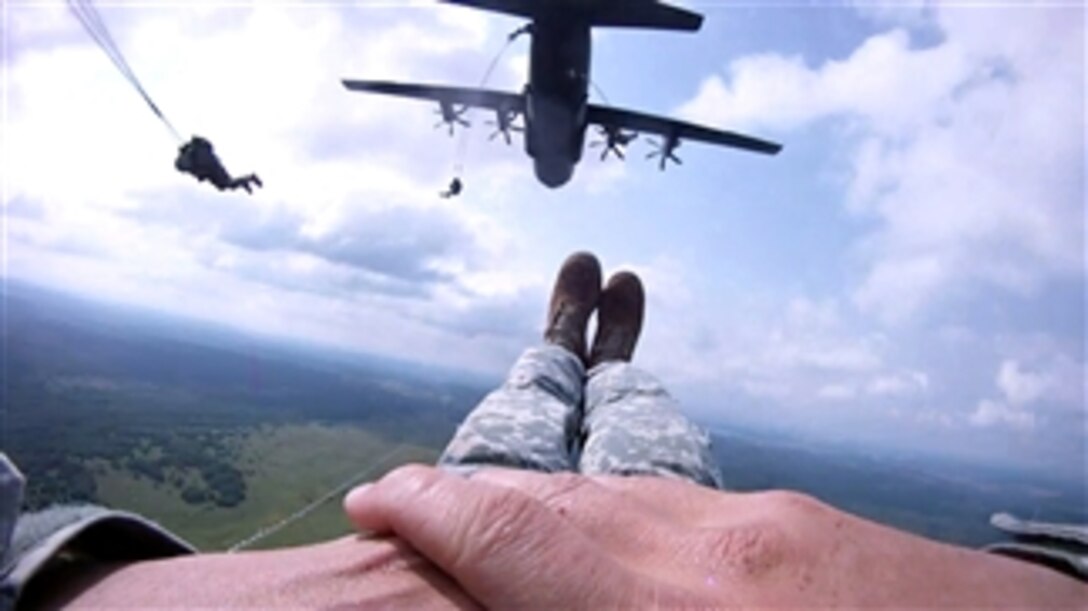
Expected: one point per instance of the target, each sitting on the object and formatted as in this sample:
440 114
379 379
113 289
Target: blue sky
910 271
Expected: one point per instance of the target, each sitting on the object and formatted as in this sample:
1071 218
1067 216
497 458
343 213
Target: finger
502 546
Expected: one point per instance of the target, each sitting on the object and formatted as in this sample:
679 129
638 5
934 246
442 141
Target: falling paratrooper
453 190
197 156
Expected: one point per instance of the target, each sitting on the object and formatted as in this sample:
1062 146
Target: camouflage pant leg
531 422
633 427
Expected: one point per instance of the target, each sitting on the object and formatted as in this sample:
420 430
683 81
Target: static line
461 147
301 513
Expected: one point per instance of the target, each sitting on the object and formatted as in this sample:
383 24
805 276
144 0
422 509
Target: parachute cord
92 23
495 62
101 38
94 20
96 28
600 92
462 142
301 513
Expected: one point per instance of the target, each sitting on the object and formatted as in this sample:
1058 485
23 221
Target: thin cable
94 26
600 92
494 63
94 20
462 144
99 37
301 513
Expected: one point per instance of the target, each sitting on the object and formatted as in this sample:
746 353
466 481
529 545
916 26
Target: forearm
821 554
888 567
349 572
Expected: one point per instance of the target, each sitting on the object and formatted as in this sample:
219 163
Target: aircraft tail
650 14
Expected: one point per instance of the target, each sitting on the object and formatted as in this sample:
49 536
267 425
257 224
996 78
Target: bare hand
521 539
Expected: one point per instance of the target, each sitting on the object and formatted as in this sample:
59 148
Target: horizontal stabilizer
643 14
607 13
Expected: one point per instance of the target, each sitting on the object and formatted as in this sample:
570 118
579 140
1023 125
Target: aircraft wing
464 96
670 128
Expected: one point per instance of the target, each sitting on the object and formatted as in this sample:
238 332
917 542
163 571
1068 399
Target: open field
285 468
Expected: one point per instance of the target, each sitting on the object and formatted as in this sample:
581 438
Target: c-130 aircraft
555 103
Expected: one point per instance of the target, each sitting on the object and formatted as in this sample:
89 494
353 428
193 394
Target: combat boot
573 300
619 319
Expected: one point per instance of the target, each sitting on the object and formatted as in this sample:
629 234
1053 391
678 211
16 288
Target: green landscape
229 439
284 468
214 435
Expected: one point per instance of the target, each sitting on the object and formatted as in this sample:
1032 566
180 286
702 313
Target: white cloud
992 413
910 12
813 335
932 417
1053 385
877 83
1019 386
799 353
1049 377
969 153
898 384
837 392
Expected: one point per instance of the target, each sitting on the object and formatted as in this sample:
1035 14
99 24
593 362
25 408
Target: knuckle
794 505
413 478
410 472
498 524
748 550
571 494
563 486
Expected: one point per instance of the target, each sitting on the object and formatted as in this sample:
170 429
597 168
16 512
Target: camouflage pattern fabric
32 545
11 501
547 417
632 426
530 422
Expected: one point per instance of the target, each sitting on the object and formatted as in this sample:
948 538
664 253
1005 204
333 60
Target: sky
909 273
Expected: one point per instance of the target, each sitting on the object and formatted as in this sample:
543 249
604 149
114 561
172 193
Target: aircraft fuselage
555 103
556 96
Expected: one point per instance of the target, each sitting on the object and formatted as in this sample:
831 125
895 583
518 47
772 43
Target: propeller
615 139
666 151
451 116
504 124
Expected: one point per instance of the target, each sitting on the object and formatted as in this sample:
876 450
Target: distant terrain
219 435
938 498
213 433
